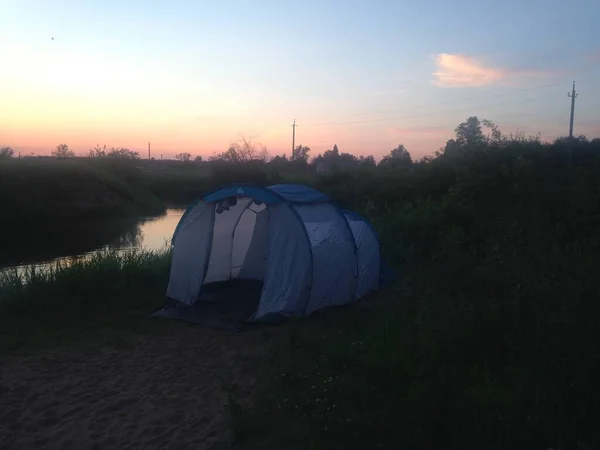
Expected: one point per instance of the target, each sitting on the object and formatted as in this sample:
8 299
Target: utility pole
293 137
148 151
573 96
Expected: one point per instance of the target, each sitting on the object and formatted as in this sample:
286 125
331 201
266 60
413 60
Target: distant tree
398 157
450 148
122 153
279 160
243 150
62 151
469 133
300 153
97 152
347 161
263 154
496 137
469 136
564 140
366 161
331 156
6 152
198 159
317 160
184 157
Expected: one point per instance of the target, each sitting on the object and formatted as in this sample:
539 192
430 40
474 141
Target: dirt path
141 392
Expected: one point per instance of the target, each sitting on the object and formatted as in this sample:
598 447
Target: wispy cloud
456 70
464 71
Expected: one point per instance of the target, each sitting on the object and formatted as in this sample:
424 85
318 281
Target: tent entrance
224 305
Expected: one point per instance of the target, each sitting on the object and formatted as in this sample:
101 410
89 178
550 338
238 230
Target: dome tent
308 253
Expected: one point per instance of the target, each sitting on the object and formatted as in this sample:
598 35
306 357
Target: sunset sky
365 75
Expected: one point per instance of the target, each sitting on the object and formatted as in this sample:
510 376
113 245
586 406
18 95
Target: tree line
469 138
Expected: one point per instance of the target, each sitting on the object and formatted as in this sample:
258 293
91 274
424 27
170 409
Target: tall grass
110 290
489 341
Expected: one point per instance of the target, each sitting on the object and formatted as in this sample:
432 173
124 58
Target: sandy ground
141 392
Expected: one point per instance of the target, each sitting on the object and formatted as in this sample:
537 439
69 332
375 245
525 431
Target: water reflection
82 240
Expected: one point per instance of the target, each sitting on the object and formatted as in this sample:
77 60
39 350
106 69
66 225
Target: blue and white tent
308 253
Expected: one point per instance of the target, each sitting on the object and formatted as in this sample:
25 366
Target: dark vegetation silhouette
488 340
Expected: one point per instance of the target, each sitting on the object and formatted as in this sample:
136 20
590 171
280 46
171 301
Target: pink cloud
464 71
455 70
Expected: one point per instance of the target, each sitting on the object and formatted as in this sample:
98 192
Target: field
488 340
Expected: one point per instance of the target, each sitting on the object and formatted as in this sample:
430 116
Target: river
150 233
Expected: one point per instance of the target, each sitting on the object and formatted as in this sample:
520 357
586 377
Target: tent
304 251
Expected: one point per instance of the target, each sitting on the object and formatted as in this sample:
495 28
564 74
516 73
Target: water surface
150 233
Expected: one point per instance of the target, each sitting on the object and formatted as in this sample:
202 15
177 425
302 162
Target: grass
109 292
489 341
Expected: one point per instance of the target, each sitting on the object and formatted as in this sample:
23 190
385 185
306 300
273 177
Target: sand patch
145 392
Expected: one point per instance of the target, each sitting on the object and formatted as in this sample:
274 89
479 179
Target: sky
194 75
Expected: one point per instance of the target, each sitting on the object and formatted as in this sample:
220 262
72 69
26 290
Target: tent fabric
298 193
308 253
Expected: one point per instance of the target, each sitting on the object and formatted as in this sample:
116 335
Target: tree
450 148
278 160
243 151
62 151
113 152
469 136
398 157
469 133
347 161
366 161
300 153
184 157
122 153
263 154
330 157
6 152
97 152
198 159
497 138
